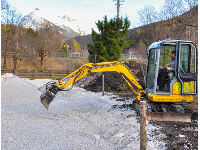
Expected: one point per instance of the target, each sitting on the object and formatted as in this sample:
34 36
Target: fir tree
64 48
111 40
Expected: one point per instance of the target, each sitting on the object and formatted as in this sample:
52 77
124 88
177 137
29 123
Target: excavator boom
52 88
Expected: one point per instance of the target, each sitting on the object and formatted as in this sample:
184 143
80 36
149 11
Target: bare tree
10 19
5 12
147 15
172 9
19 46
190 4
169 10
49 41
5 38
43 41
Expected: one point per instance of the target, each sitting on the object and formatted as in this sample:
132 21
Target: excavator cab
181 83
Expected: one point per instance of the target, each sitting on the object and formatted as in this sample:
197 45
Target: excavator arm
52 87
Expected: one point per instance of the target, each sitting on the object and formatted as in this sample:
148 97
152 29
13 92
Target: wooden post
50 73
33 73
103 84
143 133
14 71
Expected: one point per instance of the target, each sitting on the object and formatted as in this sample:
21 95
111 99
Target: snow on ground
76 119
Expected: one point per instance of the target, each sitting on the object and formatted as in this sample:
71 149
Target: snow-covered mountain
66 25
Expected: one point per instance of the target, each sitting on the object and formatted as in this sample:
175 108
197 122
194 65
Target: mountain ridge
64 24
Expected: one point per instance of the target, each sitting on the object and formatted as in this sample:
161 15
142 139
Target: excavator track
163 111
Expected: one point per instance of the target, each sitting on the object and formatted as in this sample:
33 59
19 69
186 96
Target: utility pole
118 5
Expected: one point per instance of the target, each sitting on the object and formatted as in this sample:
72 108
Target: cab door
152 70
187 67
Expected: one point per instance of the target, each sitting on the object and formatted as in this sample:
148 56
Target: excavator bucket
46 99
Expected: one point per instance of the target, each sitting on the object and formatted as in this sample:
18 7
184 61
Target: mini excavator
180 87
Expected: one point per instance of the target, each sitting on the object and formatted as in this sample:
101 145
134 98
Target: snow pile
76 119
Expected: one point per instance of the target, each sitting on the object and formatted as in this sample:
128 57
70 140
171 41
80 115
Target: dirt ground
179 135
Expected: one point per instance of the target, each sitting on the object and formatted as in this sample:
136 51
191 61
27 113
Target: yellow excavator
179 87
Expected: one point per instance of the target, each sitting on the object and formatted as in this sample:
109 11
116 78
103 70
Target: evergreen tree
64 48
111 40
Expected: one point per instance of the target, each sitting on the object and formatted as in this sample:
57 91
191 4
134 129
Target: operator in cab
167 71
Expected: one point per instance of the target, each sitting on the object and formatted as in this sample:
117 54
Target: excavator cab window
165 55
158 58
164 59
187 68
152 65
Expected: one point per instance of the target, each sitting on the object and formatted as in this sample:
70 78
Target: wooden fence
37 74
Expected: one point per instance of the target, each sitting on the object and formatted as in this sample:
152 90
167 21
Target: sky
87 11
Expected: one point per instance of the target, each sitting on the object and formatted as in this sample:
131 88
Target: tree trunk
5 58
15 61
41 61
42 57
95 58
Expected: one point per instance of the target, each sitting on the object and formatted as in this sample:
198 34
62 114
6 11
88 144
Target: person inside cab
166 72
